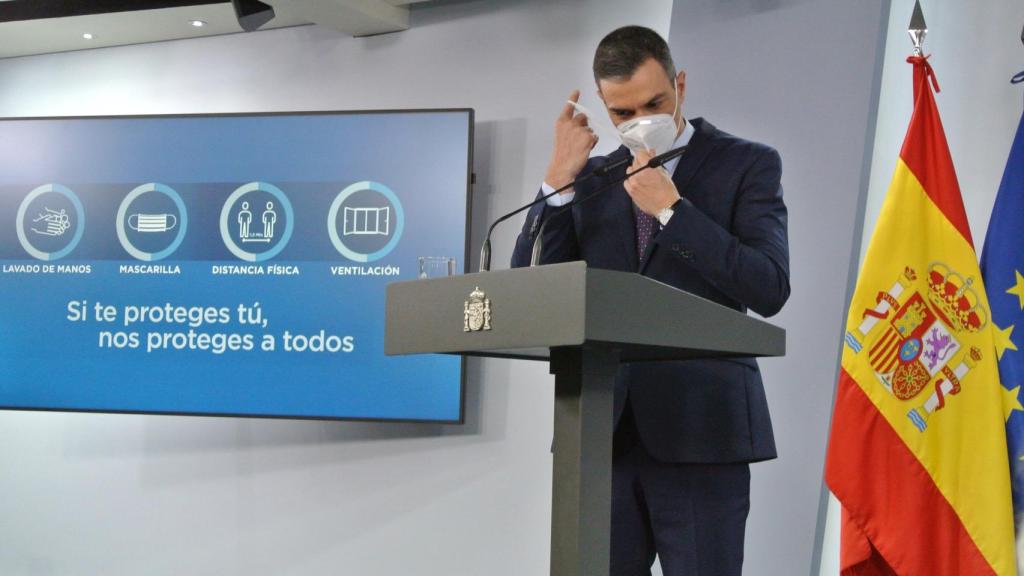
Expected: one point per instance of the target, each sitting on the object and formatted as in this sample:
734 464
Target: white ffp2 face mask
656 132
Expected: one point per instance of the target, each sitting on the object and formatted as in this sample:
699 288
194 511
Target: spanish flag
917 452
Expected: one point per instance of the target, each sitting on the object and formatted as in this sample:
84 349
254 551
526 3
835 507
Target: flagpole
918 29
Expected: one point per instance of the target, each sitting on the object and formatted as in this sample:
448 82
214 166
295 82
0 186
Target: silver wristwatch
665 214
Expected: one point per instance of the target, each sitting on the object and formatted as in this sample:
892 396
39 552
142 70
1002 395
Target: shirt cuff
557 199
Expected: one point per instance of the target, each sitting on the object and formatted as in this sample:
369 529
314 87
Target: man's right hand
573 142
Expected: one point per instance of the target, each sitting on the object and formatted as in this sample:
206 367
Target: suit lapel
701 144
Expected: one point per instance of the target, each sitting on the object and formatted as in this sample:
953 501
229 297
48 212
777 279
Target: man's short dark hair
622 51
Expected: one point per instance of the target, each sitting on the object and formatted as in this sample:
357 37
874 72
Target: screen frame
470 180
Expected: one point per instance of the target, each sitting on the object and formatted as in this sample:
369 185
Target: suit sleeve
559 236
750 262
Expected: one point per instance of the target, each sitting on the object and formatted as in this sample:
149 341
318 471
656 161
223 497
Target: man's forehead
648 82
626 95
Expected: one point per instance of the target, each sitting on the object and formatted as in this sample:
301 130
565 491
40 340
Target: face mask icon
148 223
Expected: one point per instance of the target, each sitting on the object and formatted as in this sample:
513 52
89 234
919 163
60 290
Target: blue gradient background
47 362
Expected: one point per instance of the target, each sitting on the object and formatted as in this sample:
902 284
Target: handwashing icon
57 222
152 222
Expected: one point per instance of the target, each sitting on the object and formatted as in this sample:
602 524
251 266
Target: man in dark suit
713 225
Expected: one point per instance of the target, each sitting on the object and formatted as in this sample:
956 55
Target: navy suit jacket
726 242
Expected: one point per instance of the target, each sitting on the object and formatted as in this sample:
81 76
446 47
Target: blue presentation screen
225 264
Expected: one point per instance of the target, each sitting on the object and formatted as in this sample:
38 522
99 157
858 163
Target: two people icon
268 217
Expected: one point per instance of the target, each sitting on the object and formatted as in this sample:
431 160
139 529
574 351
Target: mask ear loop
675 90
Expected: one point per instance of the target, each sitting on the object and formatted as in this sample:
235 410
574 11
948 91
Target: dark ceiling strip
17 10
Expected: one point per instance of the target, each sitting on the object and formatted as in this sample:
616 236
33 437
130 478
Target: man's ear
681 84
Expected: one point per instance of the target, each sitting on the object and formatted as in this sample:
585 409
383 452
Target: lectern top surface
523 312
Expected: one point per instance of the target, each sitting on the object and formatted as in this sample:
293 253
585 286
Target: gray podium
585 322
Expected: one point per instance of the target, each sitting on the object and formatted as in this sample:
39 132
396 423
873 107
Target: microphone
663 158
655 162
600 171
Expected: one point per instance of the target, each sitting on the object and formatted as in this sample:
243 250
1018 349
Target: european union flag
1002 266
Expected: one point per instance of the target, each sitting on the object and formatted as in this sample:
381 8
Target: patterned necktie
644 231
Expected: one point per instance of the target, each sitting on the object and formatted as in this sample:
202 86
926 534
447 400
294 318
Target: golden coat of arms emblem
476 314
914 337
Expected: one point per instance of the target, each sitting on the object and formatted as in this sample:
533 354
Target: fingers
569 110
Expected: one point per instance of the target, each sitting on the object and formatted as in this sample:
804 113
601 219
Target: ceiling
44 26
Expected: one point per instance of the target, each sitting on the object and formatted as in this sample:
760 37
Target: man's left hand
653 189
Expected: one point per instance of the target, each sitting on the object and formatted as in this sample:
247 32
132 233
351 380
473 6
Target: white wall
975 48
112 494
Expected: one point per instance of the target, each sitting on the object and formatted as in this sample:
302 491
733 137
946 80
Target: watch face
664 215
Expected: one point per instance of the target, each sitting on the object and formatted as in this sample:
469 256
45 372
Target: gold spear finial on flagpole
918 29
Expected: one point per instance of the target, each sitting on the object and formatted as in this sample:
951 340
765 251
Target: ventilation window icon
367 221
